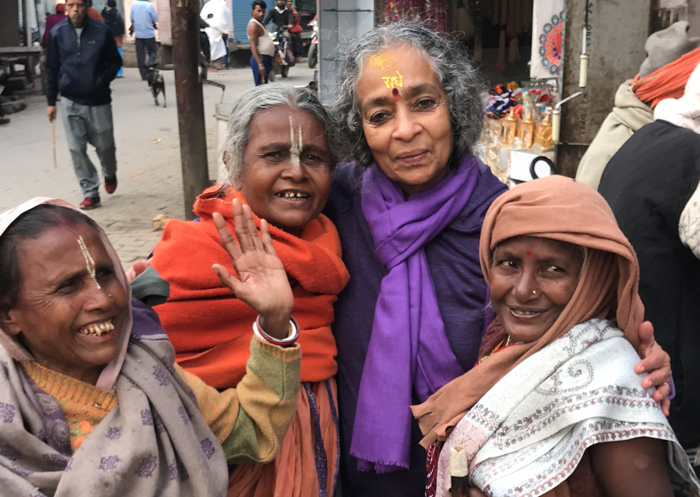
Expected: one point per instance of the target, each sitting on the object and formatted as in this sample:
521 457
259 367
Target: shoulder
146 323
346 183
486 190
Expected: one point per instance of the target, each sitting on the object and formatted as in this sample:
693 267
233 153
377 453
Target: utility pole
190 100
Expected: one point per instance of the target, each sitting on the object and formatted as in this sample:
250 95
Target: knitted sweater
249 421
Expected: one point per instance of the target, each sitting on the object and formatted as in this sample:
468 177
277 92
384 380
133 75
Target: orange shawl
561 209
668 81
211 329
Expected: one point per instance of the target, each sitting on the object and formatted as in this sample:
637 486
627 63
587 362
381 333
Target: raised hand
262 282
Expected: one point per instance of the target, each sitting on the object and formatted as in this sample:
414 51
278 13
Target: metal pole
190 101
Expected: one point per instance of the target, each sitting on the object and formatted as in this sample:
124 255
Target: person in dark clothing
81 61
115 22
280 15
652 186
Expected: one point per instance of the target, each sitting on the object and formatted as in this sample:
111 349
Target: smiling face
60 310
405 118
531 282
286 175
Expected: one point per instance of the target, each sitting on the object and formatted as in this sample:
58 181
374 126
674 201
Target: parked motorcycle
284 56
313 48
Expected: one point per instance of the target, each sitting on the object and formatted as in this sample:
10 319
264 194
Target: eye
380 117
507 263
69 286
554 270
426 104
314 159
104 274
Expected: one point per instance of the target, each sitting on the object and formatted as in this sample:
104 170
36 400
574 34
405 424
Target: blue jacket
81 70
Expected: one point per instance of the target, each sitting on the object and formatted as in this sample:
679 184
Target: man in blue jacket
81 61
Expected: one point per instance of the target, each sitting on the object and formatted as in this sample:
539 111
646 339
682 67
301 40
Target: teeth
293 195
97 329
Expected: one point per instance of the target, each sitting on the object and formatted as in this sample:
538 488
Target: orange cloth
211 329
557 208
293 472
666 82
94 14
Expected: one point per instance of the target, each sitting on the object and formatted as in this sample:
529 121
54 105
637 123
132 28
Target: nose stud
534 292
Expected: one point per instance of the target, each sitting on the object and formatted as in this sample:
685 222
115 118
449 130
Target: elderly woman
90 400
280 159
409 211
556 409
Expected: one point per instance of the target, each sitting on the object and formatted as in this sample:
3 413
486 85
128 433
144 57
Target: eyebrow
274 147
410 92
55 282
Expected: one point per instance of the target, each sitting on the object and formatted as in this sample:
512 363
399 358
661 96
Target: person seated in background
556 408
279 156
91 401
671 57
653 187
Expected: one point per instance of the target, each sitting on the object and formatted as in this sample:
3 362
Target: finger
266 238
247 211
646 339
655 358
229 281
662 393
241 227
226 237
657 378
666 407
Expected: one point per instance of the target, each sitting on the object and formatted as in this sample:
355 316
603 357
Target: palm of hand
265 286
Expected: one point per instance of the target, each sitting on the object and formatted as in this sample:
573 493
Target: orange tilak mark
395 95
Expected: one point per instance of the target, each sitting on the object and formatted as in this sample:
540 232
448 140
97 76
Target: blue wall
240 10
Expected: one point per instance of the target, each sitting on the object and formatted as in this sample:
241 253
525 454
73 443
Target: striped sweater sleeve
251 420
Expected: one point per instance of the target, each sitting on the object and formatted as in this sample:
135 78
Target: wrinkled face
405 118
60 310
76 11
531 282
286 168
258 13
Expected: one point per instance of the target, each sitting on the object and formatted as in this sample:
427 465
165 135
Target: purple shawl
409 349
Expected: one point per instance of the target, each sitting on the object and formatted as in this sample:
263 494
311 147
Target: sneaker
90 203
111 184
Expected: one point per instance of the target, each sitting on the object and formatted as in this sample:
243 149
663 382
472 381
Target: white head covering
684 111
108 377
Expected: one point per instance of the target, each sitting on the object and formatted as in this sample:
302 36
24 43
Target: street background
148 156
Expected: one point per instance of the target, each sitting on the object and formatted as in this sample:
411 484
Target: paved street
148 154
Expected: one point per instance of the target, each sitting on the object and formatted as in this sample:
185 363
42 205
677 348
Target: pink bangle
285 342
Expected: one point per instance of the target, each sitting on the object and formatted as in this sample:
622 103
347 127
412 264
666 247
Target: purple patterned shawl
153 443
408 350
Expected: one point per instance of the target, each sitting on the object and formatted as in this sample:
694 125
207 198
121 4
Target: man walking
261 45
143 27
81 62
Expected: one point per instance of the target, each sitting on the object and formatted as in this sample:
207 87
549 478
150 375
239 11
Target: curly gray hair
451 64
260 99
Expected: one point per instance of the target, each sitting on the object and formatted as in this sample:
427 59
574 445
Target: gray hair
452 68
260 99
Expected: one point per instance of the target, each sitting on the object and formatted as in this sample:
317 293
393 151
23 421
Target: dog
157 84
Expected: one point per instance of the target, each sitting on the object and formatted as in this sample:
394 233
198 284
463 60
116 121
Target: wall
340 22
616 36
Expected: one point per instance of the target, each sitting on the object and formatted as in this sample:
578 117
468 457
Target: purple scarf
408 349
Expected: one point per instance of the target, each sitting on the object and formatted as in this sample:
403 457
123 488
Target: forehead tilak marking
383 60
89 261
296 146
393 81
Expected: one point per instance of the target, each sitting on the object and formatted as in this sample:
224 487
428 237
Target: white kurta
217 15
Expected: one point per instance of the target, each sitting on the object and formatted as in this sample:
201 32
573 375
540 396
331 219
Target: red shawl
211 329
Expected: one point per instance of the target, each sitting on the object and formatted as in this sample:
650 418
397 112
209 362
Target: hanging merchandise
548 22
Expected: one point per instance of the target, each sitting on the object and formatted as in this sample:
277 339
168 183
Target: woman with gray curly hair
409 211
279 158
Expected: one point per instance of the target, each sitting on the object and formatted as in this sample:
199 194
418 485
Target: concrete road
148 155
